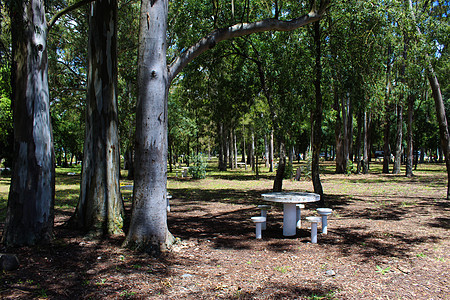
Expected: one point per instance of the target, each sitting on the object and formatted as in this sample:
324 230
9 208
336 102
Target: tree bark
365 164
30 212
271 152
148 227
386 146
317 124
278 182
398 144
409 138
100 207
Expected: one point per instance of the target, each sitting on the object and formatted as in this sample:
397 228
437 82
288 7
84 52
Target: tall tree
100 207
437 96
318 111
148 229
32 192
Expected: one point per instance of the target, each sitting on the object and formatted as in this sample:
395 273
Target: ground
388 238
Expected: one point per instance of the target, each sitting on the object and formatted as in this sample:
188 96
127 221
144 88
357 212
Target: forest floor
388 238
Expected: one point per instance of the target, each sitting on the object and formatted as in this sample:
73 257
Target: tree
437 96
148 228
100 208
31 198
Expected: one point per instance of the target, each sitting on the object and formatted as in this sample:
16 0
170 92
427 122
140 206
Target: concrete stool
299 215
314 221
258 221
324 212
168 203
264 208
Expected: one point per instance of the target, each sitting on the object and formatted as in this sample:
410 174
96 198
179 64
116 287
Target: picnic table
290 200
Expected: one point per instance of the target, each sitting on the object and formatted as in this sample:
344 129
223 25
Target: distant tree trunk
387 124
398 144
340 165
230 148
148 227
317 124
252 152
243 144
386 146
266 150
129 162
235 161
170 152
271 152
358 143
278 182
365 164
222 160
100 207
409 137
30 212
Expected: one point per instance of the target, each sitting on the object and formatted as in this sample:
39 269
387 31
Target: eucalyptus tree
100 207
432 77
148 228
32 191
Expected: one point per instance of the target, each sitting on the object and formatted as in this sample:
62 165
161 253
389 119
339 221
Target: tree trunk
222 163
440 107
243 144
358 143
409 138
30 213
148 228
365 164
266 151
278 182
235 161
271 152
100 207
317 124
252 153
340 166
386 146
398 144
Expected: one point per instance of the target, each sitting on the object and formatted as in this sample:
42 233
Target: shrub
198 167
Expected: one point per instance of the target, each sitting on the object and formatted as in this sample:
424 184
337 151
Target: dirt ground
388 238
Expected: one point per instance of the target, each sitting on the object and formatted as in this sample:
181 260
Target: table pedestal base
289 219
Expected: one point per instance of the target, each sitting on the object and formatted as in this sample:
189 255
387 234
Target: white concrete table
289 200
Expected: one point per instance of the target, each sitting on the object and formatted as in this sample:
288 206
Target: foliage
198 167
6 117
288 170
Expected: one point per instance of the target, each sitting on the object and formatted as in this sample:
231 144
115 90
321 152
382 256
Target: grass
241 186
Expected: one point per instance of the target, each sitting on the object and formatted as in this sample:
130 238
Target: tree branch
65 11
238 30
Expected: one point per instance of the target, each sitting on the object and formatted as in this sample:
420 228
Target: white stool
314 221
258 221
299 215
264 208
324 212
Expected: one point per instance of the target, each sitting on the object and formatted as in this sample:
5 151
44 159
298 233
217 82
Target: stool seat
258 221
314 221
324 212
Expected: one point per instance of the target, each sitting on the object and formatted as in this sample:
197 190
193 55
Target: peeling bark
31 198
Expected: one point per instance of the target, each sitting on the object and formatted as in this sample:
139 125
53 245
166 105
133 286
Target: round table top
291 197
